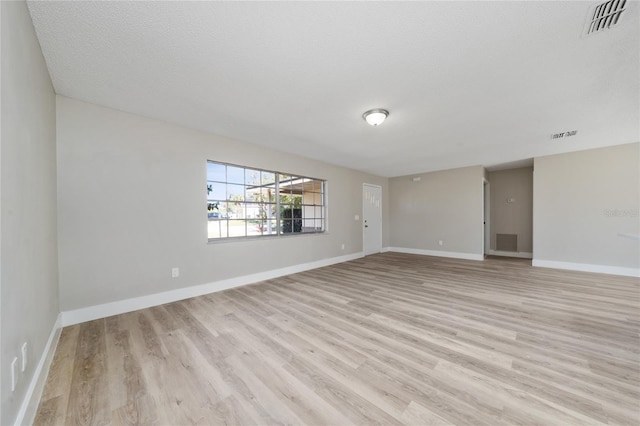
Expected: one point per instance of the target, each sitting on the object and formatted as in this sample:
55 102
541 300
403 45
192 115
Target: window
246 202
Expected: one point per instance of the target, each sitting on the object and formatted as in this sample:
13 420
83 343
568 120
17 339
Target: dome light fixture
376 116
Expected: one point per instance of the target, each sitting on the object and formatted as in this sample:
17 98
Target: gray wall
29 274
515 217
583 201
445 205
132 204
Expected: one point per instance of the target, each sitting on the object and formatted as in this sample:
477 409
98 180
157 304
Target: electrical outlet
342 246
440 242
14 373
23 352
175 272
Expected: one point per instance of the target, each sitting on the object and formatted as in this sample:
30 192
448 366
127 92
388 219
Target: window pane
307 198
316 199
270 227
215 207
283 178
253 193
212 206
222 210
253 211
268 194
313 225
235 192
239 210
285 197
295 185
266 227
286 211
252 177
218 191
216 172
254 228
235 174
268 211
237 228
235 210
307 218
217 229
268 177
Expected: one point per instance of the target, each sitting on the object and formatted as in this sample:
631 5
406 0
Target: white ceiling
466 83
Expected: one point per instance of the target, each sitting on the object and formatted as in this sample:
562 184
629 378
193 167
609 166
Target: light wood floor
387 339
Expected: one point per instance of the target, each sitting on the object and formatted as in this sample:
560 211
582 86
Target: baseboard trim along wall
90 313
585 267
27 412
521 254
451 254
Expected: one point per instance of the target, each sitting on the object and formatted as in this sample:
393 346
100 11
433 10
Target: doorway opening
508 210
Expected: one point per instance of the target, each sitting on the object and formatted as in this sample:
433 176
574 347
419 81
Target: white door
371 219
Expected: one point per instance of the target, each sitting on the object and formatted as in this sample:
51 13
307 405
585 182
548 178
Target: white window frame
305 196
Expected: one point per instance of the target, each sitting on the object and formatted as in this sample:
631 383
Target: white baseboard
522 254
90 313
451 254
29 406
585 267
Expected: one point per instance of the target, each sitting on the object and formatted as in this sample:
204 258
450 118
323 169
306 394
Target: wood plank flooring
387 339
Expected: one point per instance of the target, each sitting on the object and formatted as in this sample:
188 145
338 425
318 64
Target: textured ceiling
466 83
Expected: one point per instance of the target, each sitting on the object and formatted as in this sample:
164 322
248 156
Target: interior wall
29 274
442 206
586 207
515 217
132 205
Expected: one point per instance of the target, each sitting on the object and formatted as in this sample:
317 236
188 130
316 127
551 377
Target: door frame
486 216
364 248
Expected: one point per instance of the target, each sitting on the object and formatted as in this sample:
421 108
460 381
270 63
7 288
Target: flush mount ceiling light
375 116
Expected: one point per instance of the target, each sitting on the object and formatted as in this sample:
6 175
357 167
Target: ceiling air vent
604 15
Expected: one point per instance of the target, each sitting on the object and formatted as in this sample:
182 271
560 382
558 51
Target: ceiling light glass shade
375 116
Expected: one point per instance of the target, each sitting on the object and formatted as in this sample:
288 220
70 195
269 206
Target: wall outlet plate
175 272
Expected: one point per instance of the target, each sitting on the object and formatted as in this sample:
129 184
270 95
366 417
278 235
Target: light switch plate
14 373
23 353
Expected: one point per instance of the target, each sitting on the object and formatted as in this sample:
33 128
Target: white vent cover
604 15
